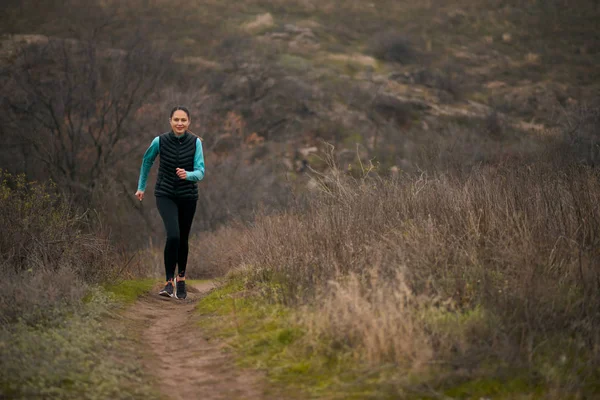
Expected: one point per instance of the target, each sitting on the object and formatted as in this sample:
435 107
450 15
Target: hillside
400 200
351 72
406 86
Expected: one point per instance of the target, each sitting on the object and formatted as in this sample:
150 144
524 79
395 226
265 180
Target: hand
181 173
140 195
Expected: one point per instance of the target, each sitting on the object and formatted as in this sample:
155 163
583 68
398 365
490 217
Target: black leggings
177 215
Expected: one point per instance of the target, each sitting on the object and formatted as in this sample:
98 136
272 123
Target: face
179 122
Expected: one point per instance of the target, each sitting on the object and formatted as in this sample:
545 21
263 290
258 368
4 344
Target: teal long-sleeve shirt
150 155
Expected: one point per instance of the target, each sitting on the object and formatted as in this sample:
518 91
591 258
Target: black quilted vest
176 153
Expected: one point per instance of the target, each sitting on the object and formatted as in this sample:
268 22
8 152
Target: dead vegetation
465 75
49 252
471 274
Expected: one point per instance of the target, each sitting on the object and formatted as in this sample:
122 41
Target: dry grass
379 323
496 267
50 250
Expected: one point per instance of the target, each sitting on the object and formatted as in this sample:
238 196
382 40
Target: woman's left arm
198 173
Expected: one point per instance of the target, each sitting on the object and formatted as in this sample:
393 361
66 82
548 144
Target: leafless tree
72 105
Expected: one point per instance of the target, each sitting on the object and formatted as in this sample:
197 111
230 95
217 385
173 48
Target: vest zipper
177 163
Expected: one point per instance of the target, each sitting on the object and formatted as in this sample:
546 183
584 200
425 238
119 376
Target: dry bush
218 252
376 319
48 252
381 321
514 251
235 189
449 78
456 145
392 46
580 128
75 103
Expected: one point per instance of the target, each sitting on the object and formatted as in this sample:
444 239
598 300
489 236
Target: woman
181 167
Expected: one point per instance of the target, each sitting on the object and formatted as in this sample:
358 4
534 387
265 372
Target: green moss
509 389
128 291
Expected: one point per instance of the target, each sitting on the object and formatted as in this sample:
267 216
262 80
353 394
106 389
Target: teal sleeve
198 173
149 157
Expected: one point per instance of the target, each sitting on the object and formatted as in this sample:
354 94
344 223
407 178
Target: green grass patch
268 336
128 291
500 389
81 356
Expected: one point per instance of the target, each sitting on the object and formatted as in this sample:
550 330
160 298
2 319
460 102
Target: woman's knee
173 239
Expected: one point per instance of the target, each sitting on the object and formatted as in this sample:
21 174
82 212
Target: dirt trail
184 364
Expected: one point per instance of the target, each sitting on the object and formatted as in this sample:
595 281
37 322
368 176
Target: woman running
181 167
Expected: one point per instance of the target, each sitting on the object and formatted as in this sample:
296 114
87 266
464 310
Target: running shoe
167 291
181 292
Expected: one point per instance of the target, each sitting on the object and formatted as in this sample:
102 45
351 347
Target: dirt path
185 365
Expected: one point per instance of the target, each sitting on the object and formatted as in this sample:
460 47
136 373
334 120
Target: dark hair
182 108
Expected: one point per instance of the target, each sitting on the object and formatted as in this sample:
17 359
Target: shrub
391 46
580 129
450 79
48 252
494 267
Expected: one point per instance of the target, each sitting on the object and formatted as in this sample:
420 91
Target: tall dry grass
499 266
49 252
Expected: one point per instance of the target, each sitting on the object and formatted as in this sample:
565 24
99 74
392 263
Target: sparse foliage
48 248
74 104
498 265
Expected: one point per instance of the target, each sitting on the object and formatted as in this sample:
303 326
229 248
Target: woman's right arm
149 157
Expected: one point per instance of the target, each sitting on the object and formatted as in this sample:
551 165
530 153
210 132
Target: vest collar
181 138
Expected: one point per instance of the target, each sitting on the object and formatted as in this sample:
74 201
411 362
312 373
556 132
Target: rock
295 29
308 36
308 23
260 23
308 150
357 58
288 163
495 84
532 58
278 36
303 46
